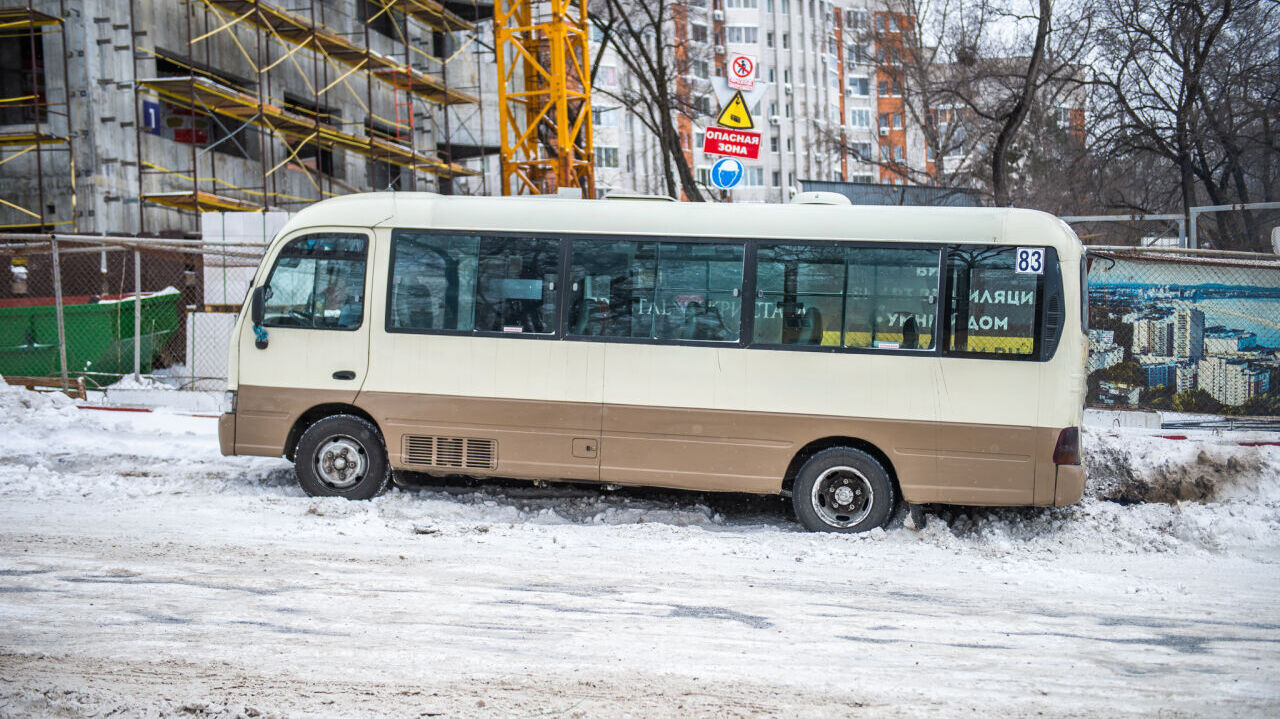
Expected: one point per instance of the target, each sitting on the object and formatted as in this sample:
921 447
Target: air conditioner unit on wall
719 49
884 131
718 15
787 88
773 120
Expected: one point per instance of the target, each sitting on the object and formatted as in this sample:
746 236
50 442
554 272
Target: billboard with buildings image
1183 333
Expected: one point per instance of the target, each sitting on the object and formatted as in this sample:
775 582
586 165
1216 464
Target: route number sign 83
1030 260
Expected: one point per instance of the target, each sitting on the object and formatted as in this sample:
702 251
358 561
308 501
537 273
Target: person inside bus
910 334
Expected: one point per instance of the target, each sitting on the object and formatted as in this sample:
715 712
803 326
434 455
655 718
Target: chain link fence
119 316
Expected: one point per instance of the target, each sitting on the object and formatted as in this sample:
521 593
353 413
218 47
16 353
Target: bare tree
657 88
973 76
1195 83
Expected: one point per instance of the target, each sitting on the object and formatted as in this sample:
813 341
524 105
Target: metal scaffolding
284 40
37 109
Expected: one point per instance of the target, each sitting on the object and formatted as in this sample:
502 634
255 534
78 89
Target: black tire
843 490
342 456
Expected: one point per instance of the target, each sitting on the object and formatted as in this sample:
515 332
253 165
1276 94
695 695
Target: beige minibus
851 358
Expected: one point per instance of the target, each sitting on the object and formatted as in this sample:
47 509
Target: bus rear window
993 302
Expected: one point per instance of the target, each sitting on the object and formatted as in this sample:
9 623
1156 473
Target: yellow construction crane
544 96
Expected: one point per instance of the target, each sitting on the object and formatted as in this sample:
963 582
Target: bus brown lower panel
684 448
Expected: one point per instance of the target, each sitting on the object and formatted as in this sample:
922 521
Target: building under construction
134 117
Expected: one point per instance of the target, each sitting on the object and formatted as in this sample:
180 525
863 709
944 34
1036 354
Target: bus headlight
229 402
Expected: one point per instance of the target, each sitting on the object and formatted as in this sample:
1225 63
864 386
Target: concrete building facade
159 109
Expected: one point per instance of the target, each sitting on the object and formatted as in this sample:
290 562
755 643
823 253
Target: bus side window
800 295
992 309
891 298
515 285
433 281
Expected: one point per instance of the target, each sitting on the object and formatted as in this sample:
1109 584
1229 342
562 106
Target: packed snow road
143 574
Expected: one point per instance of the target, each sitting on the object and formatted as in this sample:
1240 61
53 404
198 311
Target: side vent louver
451 452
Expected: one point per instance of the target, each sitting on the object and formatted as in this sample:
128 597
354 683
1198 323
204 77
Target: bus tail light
1067 451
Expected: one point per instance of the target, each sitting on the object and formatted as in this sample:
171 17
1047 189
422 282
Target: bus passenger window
669 290
433 281
611 288
695 297
891 298
799 295
318 283
992 307
515 287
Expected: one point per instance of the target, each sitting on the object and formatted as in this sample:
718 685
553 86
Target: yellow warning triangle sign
735 114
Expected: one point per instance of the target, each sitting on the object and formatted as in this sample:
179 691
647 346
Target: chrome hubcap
341 462
842 496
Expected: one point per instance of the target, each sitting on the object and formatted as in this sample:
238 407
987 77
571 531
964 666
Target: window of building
318 283
702 104
312 155
884 153
606 157
884 119
609 75
754 177
668 290
860 86
698 33
882 88
193 127
742 34
899 153
21 76
786 6
897 121
777 178
786 40
787 109
860 117
791 179
741 4
701 68
773 143
862 150
702 175
790 145
897 88
379 18
605 116
768 39
699 138
772 75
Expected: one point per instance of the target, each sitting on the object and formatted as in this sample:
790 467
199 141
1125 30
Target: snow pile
1133 467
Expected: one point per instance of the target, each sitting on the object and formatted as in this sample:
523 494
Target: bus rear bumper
227 434
1070 485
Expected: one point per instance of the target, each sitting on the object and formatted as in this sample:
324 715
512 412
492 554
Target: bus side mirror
258 312
257 305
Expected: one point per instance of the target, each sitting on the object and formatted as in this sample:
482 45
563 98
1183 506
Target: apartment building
1233 381
831 110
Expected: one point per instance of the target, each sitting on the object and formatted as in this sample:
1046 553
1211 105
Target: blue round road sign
726 173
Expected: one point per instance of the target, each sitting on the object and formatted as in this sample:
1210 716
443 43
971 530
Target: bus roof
427 210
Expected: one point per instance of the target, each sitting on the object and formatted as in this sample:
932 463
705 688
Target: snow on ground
144 574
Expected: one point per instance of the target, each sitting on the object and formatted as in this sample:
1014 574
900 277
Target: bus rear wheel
342 456
842 490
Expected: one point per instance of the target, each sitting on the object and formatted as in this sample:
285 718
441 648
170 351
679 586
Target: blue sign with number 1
151 117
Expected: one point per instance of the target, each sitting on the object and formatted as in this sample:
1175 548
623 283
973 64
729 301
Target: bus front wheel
842 490
342 456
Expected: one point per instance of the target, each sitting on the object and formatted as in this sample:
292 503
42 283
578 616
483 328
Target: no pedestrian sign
735 143
742 71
